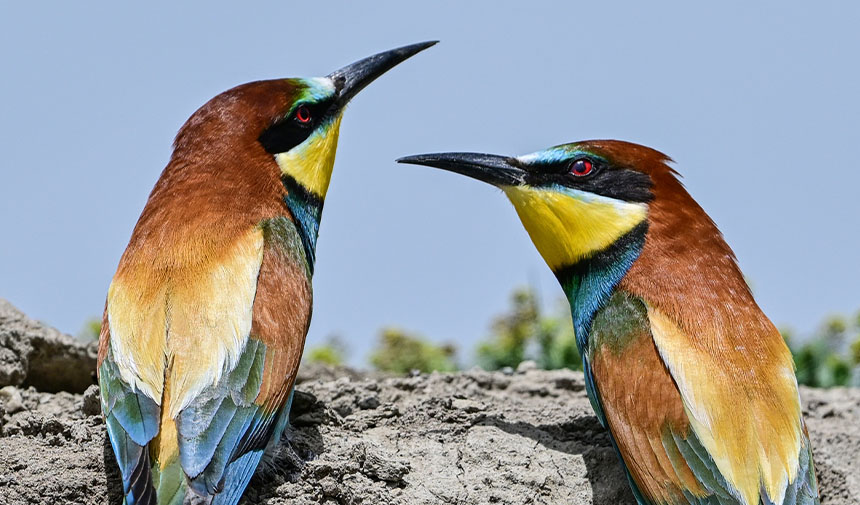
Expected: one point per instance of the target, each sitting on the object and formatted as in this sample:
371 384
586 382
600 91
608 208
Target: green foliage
855 352
828 357
511 333
400 352
331 353
525 333
557 341
837 370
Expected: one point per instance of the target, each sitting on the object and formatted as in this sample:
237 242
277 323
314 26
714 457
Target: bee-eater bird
694 383
206 316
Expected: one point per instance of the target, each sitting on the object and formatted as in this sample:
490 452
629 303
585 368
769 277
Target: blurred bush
401 352
330 353
524 332
827 358
831 356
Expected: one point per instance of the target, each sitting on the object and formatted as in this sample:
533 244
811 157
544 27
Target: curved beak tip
420 46
354 77
414 160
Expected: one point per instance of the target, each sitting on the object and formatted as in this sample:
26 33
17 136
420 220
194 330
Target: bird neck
306 209
590 282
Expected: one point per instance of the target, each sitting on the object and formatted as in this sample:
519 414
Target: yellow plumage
311 163
568 226
750 427
197 320
694 382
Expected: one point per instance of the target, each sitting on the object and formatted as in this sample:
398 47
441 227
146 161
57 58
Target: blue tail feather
239 472
131 418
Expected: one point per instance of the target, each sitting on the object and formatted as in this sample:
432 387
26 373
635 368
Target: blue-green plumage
131 419
589 283
693 381
240 472
307 210
211 427
207 314
615 326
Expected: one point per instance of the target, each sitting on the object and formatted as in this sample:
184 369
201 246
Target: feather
650 422
214 441
207 314
132 422
213 429
239 472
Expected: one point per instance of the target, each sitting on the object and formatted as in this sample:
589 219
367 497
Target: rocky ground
475 437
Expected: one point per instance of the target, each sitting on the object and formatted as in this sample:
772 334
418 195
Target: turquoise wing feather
222 433
132 421
212 446
637 400
240 471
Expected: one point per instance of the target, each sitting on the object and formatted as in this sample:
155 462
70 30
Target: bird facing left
206 316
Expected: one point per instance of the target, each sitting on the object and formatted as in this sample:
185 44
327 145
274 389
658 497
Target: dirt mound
32 354
462 438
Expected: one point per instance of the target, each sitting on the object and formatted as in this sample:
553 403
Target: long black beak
351 79
490 168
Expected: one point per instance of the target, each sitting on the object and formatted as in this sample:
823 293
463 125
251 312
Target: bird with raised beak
694 383
207 313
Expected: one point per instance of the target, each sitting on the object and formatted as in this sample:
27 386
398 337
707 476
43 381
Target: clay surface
471 438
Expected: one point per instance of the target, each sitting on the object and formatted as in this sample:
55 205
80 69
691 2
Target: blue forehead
312 90
555 154
315 89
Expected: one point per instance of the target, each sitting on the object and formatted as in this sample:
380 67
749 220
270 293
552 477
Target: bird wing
691 429
132 421
223 433
227 336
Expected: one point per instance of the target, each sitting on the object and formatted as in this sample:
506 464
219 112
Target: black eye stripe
564 166
290 132
613 182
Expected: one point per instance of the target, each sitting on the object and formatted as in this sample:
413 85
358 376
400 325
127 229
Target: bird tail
168 479
154 473
133 460
239 472
169 483
147 483
137 486
804 489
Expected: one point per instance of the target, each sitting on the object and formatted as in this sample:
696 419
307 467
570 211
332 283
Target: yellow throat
567 225
311 162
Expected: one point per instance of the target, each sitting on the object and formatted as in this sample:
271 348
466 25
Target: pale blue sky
758 104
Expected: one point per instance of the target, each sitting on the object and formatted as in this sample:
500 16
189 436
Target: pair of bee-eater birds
206 316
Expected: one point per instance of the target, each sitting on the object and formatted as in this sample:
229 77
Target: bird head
302 135
574 200
256 152
292 123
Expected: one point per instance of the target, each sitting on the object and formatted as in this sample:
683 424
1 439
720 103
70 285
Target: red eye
303 114
581 168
